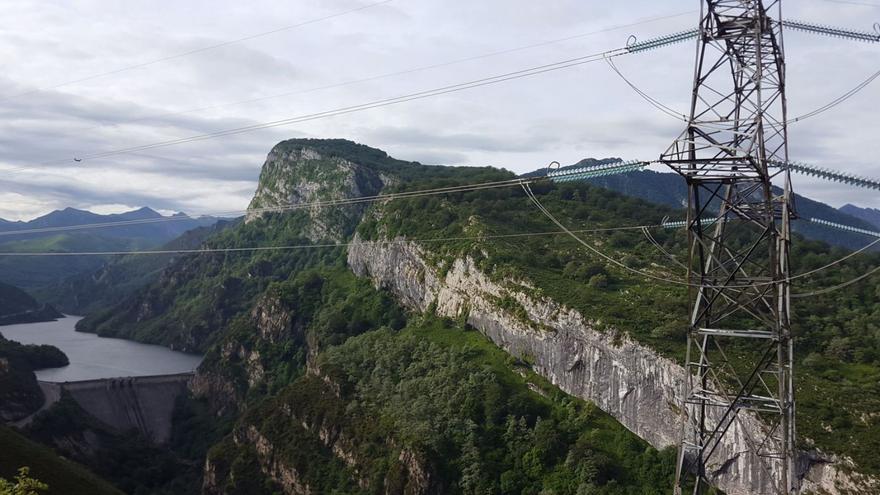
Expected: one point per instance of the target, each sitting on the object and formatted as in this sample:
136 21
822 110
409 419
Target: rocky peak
300 172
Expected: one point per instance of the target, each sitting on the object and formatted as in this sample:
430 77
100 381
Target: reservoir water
93 357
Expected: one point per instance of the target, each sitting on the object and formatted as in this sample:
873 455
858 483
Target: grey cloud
520 125
460 141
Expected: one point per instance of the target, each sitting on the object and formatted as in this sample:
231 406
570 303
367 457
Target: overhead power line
677 115
531 71
579 174
839 286
208 250
531 195
809 27
195 51
391 74
605 169
593 171
853 2
846 228
282 208
560 176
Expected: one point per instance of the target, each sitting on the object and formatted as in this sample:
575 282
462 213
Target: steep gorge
285 331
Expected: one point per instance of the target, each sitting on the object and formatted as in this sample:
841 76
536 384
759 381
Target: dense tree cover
379 161
197 296
443 396
439 399
35 357
17 306
327 305
34 273
119 276
14 300
452 397
19 393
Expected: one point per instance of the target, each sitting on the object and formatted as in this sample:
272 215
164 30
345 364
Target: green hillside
139 229
300 351
119 276
35 272
63 477
17 306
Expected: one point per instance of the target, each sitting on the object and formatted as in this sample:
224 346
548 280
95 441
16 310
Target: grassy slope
63 477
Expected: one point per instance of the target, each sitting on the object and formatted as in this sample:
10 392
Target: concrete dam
145 403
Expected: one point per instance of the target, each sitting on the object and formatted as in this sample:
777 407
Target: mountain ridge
73 230
17 306
290 336
70 217
870 215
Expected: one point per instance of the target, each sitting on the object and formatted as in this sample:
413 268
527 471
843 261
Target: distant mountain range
146 223
870 215
143 228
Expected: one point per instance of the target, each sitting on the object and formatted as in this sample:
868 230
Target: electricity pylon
739 352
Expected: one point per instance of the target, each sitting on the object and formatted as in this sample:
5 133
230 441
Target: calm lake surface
93 357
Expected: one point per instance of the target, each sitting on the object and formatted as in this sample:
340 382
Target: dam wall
145 403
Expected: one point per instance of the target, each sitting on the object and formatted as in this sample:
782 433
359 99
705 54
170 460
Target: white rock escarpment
305 177
640 388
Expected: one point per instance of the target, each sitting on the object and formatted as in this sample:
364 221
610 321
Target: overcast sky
519 125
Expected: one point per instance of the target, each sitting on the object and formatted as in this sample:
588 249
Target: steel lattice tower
739 353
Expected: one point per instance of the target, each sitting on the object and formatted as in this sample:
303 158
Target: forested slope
301 352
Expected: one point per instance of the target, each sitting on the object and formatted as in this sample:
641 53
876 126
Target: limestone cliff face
636 385
295 174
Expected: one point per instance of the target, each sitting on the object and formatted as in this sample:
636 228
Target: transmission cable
652 101
524 183
660 248
675 114
542 209
532 71
196 50
528 190
837 101
316 246
390 74
282 208
839 286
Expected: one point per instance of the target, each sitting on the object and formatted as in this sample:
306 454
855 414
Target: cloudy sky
52 109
